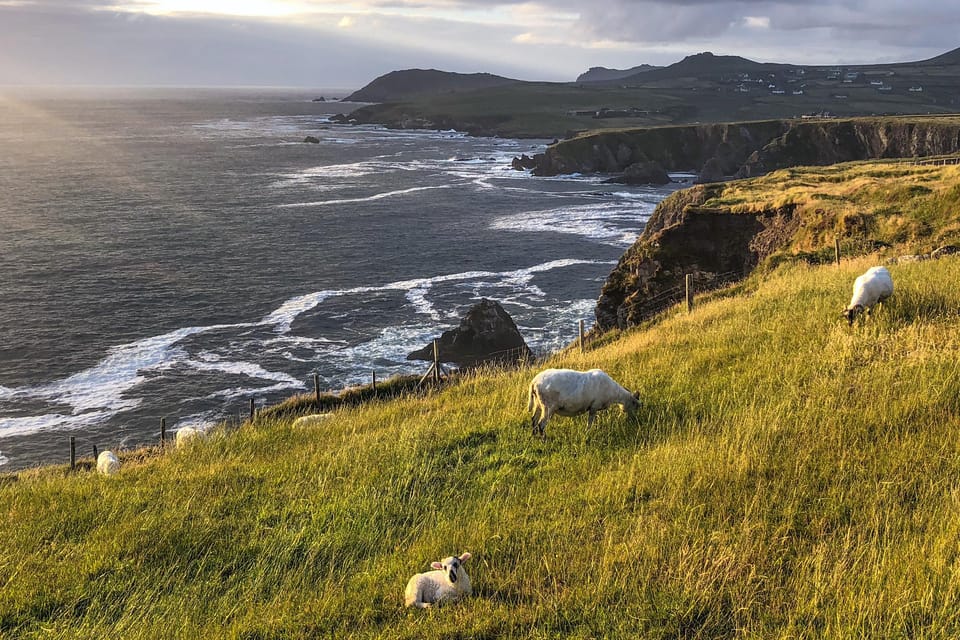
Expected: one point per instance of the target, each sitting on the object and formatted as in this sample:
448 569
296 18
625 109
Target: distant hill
704 65
399 85
603 74
944 59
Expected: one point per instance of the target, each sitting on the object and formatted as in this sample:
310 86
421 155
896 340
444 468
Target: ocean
175 252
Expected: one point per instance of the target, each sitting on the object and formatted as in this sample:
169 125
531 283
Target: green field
786 477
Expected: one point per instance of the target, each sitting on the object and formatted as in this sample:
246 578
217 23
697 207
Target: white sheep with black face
869 289
566 392
448 582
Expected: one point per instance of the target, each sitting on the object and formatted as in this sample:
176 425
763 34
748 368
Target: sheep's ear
436 565
465 556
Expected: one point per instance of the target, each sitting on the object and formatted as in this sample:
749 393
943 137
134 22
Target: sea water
174 253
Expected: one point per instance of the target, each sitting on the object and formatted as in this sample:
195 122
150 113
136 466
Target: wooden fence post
163 431
253 410
316 389
96 452
581 336
73 453
436 361
688 280
836 250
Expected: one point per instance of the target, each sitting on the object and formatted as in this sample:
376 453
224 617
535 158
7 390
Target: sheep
569 393
871 288
107 463
185 435
447 583
311 420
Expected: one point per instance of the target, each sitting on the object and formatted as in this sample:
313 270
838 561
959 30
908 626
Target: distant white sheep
311 420
869 289
567 392
107 463
449 582
186 435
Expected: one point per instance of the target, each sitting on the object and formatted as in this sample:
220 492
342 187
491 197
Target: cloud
348 42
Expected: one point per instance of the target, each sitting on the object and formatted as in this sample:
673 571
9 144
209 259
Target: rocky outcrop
642 173
752 148
681 148
683 237
312 140
486 334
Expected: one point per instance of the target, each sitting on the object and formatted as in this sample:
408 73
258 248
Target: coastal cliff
721 232
751 148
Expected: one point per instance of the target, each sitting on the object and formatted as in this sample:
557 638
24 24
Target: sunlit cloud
346 22
756 22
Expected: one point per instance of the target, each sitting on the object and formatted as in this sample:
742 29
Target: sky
347 43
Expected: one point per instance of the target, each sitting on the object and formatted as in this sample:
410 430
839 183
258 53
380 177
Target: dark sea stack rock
642 173
712 171
312 140
523 163
486 334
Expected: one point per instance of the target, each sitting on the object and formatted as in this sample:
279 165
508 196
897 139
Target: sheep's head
851 313
452 566
631 405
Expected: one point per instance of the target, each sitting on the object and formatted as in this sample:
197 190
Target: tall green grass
787 477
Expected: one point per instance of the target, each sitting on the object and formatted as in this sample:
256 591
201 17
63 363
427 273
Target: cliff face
831 142
684 238
674 148
752 148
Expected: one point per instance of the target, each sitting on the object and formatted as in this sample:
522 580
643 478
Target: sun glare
258 8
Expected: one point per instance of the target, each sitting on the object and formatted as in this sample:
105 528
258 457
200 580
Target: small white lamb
185 435
312 420
869 289
107 463
567 392
449 582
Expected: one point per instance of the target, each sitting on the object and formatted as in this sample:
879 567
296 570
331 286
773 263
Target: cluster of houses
792 81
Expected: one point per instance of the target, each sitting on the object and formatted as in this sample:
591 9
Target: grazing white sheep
871 288
185 435
107 463
312 420
569 393
449 582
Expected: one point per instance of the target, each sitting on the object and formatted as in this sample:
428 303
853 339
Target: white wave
247 392
3 459
212 362
35 424
378 196
99 392
612 223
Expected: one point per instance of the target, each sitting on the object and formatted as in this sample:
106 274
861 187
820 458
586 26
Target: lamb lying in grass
107 463
873 287
449 582
567 392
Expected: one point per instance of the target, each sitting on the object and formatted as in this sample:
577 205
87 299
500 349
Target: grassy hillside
788 476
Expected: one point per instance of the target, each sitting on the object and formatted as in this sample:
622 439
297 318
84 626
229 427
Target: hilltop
400 85
603 74
700 88
786 476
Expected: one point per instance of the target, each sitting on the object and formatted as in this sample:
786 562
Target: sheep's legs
590 416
